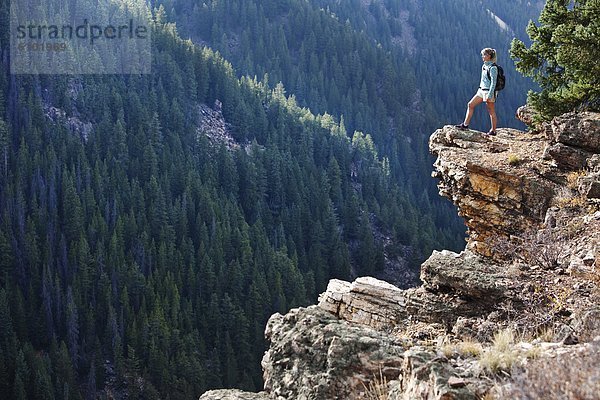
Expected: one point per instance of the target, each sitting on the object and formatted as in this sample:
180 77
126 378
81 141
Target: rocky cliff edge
515 315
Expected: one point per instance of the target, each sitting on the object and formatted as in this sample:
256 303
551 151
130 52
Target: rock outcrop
212 124
70 122
314 355
504 186
501 186
454 285
531 265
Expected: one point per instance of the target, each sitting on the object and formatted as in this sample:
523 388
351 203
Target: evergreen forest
140 258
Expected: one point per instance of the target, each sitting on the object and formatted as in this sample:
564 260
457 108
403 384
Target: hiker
487 91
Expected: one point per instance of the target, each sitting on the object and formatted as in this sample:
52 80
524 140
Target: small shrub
534 247
572 202
546 333
466 348
448 349
569 198
533 353
559 298
573 179
504 339
542 248
505 354
502 355
514 159
494 361
470 348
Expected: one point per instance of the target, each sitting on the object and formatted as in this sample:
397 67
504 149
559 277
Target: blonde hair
491 52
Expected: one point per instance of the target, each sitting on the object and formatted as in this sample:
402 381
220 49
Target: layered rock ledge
500 185
504 185
454 285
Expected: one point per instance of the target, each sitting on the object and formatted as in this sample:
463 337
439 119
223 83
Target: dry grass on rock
568 377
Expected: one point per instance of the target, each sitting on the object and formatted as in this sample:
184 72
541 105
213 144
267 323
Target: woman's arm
493 80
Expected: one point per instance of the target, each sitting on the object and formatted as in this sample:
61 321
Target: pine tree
562 57
72 210
4 147
7 260
5 376
22 376
72 328
6 326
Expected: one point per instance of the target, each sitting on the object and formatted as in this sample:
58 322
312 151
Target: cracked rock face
503 185
500 185
454 285
314 355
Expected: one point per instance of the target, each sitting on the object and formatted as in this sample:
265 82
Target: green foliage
563 57
141 259
381 68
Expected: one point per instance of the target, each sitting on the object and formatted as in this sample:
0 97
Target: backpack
500 80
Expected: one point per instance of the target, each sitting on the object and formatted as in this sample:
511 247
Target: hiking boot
462 126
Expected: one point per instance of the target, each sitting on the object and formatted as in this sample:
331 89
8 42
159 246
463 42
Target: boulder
568 157
525 114
466 274
581 130
379 305
314 355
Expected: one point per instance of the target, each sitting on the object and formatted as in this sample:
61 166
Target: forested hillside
443 45
140 257
395 69
390 67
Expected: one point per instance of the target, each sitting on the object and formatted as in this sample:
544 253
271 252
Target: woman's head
490 52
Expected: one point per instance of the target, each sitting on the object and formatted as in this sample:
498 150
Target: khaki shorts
484 95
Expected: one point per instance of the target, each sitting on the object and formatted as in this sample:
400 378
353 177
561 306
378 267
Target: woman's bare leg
491 107
475 101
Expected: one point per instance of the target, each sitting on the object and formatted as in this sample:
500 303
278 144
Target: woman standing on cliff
486 92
